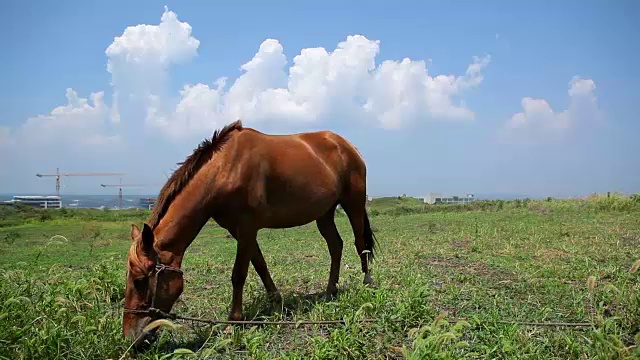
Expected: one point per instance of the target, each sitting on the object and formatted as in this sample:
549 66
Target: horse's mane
133 257
188 169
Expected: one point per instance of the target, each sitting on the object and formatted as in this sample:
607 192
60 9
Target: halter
152 310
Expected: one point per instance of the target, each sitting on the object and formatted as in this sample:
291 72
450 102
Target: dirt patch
462 244
472 268
630 240
310 258
552 254
431 228
104 244
505 252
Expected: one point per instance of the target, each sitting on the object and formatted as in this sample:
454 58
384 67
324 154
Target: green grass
447 277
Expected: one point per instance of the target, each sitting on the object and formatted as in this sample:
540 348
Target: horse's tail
370 241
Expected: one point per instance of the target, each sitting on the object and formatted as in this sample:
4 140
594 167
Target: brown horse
246 181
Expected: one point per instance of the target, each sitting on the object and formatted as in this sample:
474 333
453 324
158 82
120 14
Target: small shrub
45 216
11 237
439 340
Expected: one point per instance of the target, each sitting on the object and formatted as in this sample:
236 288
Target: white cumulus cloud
80 121
168 42
403 91
539 122
344 83
139 60
69 133
347 83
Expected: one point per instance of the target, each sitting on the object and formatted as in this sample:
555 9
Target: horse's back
323 146
303 174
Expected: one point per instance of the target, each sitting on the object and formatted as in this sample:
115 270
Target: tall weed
61 314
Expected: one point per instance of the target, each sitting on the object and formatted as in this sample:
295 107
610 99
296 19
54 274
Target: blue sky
538 99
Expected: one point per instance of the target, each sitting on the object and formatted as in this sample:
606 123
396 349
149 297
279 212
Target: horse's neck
180 226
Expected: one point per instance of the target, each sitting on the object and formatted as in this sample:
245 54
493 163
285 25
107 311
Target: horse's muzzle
143 339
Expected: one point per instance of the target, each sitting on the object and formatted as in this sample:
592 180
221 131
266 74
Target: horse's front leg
260 265
246 247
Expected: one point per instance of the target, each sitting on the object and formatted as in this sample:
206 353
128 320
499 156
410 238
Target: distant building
45 202
148 203
436 198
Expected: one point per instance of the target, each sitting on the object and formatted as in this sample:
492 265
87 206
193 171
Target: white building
45 202
437 198
148 203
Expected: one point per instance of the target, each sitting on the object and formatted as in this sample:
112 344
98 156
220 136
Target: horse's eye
141 283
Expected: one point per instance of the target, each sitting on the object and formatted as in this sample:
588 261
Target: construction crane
120 186
58 174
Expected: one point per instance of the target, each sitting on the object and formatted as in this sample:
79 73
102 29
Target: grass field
451 280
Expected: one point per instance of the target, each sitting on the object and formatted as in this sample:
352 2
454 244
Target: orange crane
120 186
58 174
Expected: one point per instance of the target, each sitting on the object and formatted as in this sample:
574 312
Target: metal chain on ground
172 316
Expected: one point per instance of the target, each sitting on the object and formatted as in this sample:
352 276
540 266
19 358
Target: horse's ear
147 238
135 232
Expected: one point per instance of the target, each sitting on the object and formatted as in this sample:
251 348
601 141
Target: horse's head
151 285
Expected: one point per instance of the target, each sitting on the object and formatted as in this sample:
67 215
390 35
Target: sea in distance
132 201
92 201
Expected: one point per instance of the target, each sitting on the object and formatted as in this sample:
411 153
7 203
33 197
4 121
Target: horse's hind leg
327 227
354 203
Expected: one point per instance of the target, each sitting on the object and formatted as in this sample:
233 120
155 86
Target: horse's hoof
368 281
275 298
235 316
330 296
